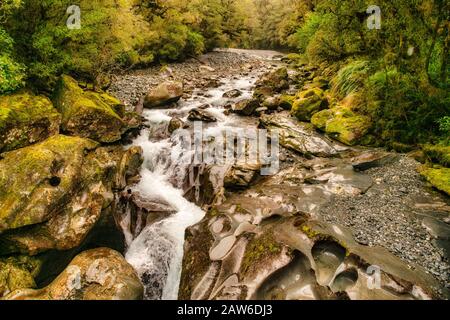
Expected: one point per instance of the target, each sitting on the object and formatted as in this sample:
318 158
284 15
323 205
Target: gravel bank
203 72
391 215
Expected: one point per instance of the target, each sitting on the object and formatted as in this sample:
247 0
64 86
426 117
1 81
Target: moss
18 273
89 114
320 119
312 234
347 126
26 119
438 153
26 196
286 101
308 103
438 176
259 250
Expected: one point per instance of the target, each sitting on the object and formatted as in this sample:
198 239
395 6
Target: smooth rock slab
98 274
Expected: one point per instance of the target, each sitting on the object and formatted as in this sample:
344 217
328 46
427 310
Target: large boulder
88 114
198 114
343 124
271 83
98 274
298 136
246 107
26 119
39 180
53 193
308 103
164 94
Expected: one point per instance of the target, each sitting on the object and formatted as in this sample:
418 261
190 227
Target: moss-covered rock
348 127
98 274
38 181
344 125
308 103
321 118
286 101
89 114
438 176
439 154
271 83
56 192
18 273
26 119
68 220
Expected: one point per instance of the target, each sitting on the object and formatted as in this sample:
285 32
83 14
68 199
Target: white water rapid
157 252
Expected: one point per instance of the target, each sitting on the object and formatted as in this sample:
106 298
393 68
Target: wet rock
98 274
175 124
308 103
374 159
18 273
89 114
135 212
271 103
198 114
232 94
164 94
241 176
272 82
26 119
246 107
297 136
72 181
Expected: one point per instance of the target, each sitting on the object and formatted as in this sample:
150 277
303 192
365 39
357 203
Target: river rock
232 94
241 176
246 107
272 103
77 180
298 136
272 82
198 114
97 274
26 119
343 124
308 103
164 94
374 159
175 124
89 114
18 272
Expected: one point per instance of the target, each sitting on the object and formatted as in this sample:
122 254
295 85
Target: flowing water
157 252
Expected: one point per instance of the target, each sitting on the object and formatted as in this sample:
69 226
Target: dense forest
399 74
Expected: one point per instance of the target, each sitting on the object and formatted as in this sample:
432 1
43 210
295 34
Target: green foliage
307 31
351 78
